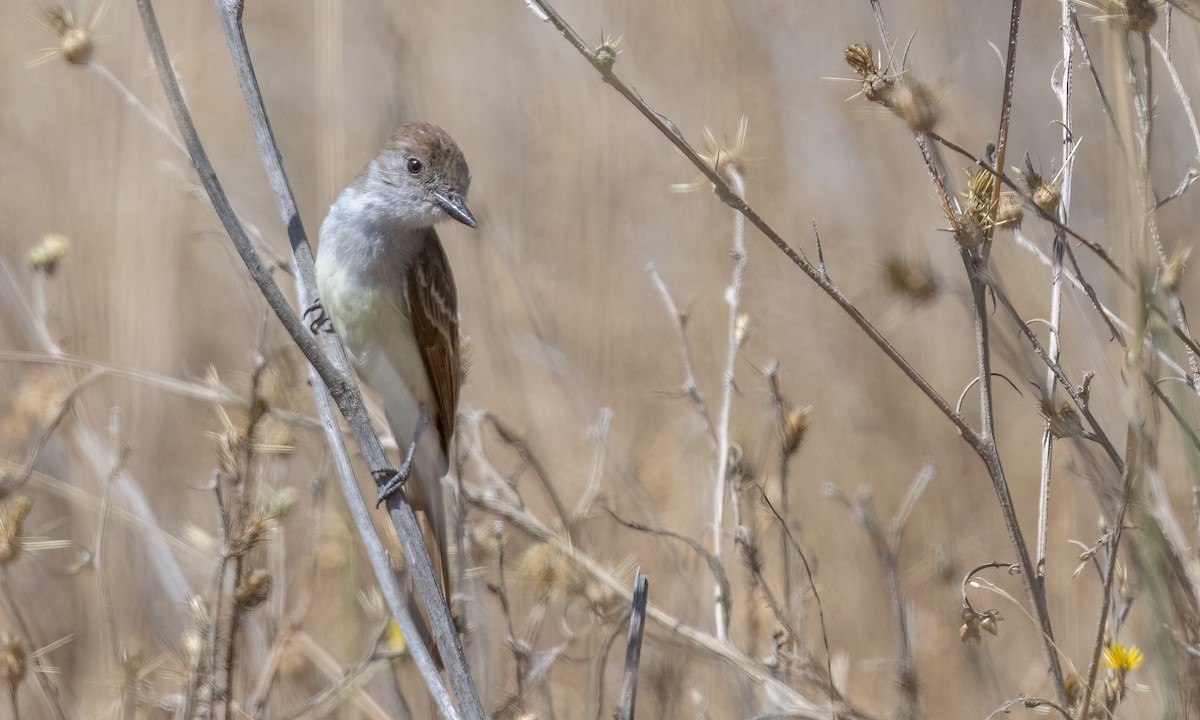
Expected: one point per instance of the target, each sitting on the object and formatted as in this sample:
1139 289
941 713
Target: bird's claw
320 321
389 481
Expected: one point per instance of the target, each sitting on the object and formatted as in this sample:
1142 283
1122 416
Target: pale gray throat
368 238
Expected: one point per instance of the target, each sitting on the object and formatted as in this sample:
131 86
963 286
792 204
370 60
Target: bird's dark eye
415 166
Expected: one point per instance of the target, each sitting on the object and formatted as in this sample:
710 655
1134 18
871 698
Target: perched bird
386 286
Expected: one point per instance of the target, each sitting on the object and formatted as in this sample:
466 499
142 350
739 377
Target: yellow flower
1122 658
393 637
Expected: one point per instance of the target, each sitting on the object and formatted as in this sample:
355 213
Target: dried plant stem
1105 312
981 442
1006 103
733 296
1136 446
991 458
1063 89
690 387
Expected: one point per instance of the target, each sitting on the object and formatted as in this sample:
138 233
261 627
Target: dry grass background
572 189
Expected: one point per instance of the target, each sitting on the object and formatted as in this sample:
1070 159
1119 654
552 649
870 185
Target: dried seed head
794 426
915 103
14 660
258 523
12 518
969 631
487 539
861 59
910 278
1045 195
1140 15
1172 272
46 255
970 227
35 403
1011 211
549 571
725 158
606 51
741 329
193 645
281 503
254 589
75 43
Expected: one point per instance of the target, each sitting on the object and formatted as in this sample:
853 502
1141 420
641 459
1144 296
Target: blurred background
146 333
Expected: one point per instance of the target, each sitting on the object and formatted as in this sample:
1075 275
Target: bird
386 287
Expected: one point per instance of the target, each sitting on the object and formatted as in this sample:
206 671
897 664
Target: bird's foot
389 480
320 321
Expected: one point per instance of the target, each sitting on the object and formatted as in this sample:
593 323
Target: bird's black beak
456 208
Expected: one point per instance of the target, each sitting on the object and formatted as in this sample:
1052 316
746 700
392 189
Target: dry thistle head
14 660
12 518
1139 15
549 571
910 278
76 44
487 540
911 100
257 524
970 227
46 255
793 426
1011 211
1044 192
254 589
35 402
861 59
606 51
727 159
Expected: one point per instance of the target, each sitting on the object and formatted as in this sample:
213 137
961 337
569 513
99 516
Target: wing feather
433 310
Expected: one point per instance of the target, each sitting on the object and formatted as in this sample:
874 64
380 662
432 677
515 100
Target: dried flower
606 51
14 660
254 589
727 159
12 518
911 100
549 571
973 622
794 426
1172 271
1011 211
46 255
1045 193
76 43
910 278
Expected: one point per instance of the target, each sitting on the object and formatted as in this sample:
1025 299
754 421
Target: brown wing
433 310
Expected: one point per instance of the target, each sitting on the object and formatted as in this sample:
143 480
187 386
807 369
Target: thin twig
733 296
690 387
1133 467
